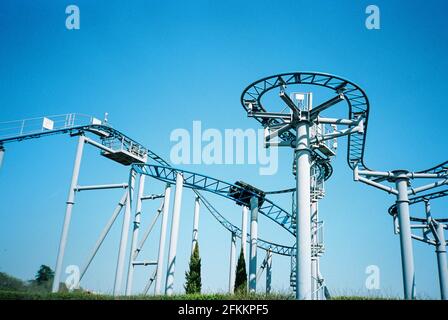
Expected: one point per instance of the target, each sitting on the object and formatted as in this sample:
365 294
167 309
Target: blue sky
156 66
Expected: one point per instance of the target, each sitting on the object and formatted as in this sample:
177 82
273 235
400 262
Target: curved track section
201 182
440 168
358 104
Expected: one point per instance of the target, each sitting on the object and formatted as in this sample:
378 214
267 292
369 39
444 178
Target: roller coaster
290 121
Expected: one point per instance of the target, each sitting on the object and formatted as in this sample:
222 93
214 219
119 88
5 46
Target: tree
193 275
241 275
44 275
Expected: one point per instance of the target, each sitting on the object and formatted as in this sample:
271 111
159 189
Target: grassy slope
14 295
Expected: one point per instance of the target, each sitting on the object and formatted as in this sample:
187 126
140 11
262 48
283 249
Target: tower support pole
172 253
303 207
232 263
407 256
68 214
314 251
244 233
124 236
161 254
253 244
195 224
2 154
135 231
269 272
442 262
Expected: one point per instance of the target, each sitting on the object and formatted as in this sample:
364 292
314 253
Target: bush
241 275
193 276
10 283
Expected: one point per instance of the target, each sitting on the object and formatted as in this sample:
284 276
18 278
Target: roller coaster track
356 98
200 182
75 124
262 244
358 104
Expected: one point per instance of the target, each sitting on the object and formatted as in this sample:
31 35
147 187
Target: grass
17 295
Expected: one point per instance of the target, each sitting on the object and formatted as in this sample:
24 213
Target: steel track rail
200 182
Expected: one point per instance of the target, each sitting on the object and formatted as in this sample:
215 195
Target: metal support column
169 287
314 253
68 214
195 224
253 244
303 221
135 231
161 254
441 261
407 256
320 292
244 233
314 284
232 262
2 154
124 236
269 272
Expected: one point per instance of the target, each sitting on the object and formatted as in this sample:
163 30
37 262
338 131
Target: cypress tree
241 275
193 275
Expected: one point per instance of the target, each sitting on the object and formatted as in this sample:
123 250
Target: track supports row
126 203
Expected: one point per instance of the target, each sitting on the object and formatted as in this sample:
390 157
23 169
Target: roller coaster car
243 191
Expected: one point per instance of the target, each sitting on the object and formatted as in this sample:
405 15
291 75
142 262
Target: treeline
41 283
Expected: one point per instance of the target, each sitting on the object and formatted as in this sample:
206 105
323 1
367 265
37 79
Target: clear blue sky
155 66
